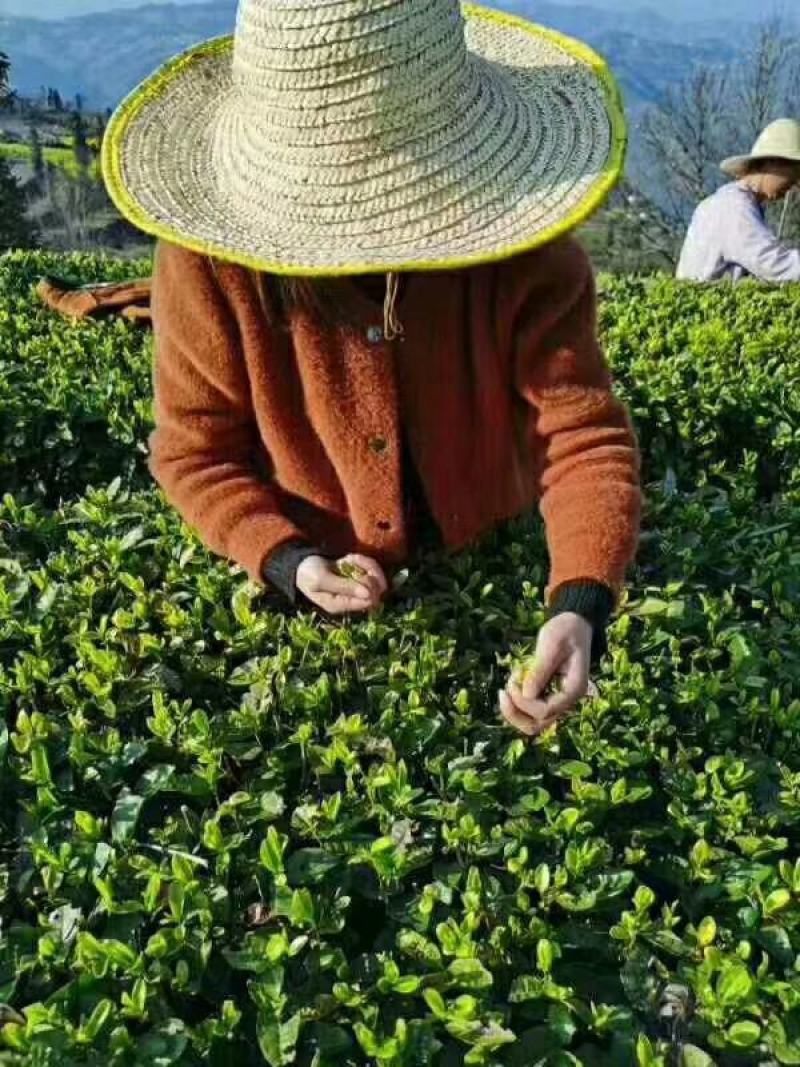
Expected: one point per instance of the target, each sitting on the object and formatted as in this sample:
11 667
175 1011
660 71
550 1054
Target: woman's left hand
563 654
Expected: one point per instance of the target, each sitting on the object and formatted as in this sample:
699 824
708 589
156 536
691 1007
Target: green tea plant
230 829
712 374
57 157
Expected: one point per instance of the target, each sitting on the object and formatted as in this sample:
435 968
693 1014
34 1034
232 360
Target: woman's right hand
321 581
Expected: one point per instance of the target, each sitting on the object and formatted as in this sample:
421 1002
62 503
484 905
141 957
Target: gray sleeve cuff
591 600
280 569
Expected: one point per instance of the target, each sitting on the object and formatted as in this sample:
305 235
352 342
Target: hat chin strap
392 326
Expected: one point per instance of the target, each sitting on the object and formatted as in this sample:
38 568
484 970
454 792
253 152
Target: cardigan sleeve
281 567
203 449
586 450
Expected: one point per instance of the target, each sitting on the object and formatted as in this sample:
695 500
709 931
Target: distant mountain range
711 11
679 10
105 55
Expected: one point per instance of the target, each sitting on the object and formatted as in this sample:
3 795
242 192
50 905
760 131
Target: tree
69 208
80 148
629 235
5 66
37 155
16 231
8 96
766 84
683 141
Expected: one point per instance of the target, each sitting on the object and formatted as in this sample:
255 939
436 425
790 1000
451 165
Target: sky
677 9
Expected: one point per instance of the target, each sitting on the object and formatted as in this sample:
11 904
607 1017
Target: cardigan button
374 335
379 445
384 525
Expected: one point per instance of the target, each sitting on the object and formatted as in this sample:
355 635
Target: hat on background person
350 136
780 140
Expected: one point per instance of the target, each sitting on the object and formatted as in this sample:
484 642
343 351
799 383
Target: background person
729 236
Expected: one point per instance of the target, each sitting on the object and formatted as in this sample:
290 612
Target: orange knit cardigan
268 433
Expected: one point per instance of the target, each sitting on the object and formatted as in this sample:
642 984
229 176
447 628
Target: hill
61 9
710 12
104 56
682 11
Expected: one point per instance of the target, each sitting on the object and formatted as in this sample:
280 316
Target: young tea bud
350 570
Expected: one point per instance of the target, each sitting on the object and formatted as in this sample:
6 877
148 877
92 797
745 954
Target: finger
541 717
341 605
534 709
350 568
540 674
369 581
333 585
527 724
373 569
575 687
514 717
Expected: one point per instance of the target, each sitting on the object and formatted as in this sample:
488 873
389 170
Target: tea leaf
125 815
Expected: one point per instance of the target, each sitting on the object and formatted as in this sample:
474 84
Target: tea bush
229 830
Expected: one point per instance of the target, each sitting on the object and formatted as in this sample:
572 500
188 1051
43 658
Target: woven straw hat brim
531 154
736 166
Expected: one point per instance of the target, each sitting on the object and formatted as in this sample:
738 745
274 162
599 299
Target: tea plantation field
231 834
63 157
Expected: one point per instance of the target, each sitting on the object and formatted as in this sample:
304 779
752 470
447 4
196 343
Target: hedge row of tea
229 833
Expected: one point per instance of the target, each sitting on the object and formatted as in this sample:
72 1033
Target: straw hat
780 140
349 136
